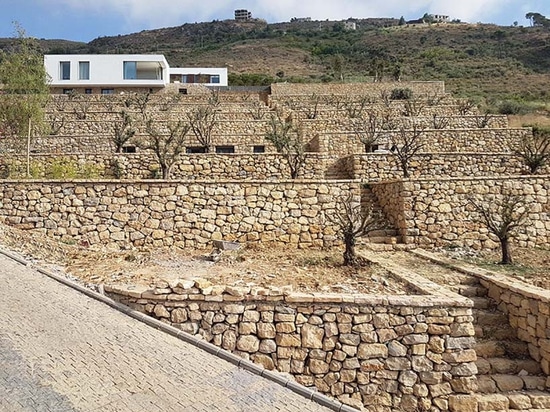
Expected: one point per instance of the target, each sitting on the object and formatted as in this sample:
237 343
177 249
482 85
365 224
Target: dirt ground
530 265
305 270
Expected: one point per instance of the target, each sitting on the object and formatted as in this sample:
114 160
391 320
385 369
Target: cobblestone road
63 351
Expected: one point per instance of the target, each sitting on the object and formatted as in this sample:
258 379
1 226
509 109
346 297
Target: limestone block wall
137 166
181 213
279 90
397 352
384 166
436 212
441 140
528 309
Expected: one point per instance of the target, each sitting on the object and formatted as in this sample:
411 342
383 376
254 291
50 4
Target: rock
161 312
248 343
312 336
179 315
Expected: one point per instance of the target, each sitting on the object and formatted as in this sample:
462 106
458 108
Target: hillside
475 60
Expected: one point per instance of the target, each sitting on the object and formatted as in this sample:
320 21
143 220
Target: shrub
401 94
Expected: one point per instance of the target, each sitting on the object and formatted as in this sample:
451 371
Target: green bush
401 94
62 168
512 107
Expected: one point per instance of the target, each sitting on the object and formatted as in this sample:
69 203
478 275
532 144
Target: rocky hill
475 60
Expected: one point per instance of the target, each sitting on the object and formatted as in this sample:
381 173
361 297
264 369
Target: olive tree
25 90
288 140
166 141
503 217
534 148
353 220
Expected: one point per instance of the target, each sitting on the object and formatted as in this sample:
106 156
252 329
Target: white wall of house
217 76
107 70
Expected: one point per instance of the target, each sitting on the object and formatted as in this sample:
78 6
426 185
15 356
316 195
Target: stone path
62 351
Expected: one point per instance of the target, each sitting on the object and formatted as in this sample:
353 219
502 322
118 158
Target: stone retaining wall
403 352
437 212
528 310
279 90
180 213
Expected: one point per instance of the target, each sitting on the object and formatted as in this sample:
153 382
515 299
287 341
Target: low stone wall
384 166
180 213
437 212
528 309
144 165
434 141
420 88
395 352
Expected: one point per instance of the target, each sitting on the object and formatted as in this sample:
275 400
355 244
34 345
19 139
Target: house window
65 70
68 91
259 149
182 91
130 70
225 149
129 149
88 91
83 70
107 91
195 149
215 79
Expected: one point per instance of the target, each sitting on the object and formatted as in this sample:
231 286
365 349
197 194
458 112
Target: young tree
534 149
368 128
503 217
354 220
166 142
202 121
289 141
25 91
405 144
123 130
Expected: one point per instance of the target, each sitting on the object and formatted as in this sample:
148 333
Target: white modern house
115 73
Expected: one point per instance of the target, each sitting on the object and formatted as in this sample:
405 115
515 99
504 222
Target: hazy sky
84 20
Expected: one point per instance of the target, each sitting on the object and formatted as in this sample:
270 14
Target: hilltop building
243 15
114 73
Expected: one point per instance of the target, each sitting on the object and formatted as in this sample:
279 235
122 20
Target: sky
85 20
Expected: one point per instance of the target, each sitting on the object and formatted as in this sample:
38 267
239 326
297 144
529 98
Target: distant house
114 73
439 18
350 25
243 15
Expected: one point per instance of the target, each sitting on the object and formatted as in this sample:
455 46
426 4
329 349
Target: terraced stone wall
180 213
396 352
437 212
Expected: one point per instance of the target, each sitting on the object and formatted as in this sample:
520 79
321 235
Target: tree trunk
350 258
505 248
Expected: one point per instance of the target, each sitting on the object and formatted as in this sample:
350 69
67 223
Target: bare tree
465 106
123 130
354 220
138 101
354 107
413 107
257 111
534 149
311 110
440 122
289 141
503 217
482 121
405 144
202 121
82 103
368 128
166 142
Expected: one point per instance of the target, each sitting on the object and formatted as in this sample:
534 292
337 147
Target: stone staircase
388 236
508 379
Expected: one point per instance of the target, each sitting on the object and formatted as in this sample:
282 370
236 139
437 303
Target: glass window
225 149
215 78
259 149
83 70
88 91
107 91
65 70
196 149
130 70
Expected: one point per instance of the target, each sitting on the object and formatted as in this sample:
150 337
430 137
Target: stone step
473 291
534 401
503 348
505 332
489 318
480 302
524 367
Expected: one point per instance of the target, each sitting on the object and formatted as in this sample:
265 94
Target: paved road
62 351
